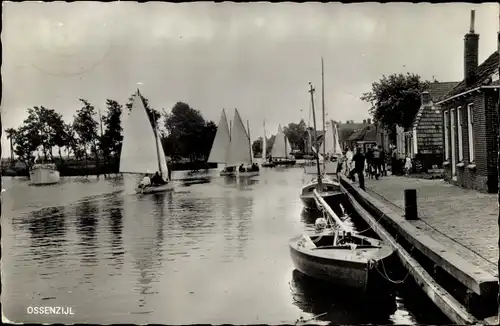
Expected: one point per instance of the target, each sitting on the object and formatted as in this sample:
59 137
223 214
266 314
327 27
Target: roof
437 92
345 130
484 72
367 133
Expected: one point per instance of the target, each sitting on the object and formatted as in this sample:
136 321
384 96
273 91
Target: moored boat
338 255
44 174
281 149
329 190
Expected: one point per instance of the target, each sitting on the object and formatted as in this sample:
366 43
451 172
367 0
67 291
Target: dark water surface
213 251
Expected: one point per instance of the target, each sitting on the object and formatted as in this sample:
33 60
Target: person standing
383 170
359 166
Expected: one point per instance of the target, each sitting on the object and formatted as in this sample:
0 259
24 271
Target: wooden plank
474 278
443 300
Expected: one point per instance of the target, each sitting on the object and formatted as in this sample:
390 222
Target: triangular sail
139 152
264 143
281 146
219 151
330 140
239 147
338 148
163 160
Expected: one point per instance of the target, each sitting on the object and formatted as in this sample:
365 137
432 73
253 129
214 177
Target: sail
281 146
336 141
239 147
264 143
331 140
163 161
219 151
139 153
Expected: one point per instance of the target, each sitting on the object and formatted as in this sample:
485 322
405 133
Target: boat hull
285 162
154 190
248 174
227 174
332 194
268 165
44 176
344 267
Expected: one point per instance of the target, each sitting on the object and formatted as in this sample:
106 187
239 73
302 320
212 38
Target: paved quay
463 220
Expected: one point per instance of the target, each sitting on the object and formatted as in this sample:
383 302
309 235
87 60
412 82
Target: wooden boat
281 149
339 256
142 152
44 174
220 147
329 190
266 163
240 149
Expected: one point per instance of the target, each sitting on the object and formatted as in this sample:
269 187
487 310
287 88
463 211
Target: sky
257 57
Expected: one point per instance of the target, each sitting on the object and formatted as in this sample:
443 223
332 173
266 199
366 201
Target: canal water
214 251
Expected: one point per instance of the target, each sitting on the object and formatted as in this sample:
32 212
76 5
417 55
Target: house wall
429 137
479 173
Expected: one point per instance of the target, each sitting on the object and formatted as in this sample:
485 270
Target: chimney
425 98
369 121
471 45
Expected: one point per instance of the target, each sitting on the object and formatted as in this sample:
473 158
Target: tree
395 100
153 114
257 146
296 134
24 144
10 135
112 138
85 128
186 126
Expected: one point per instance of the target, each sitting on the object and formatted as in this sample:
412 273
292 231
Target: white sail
264 144
163 160
281 146
139 151
331 140
219 151
337 140
239 147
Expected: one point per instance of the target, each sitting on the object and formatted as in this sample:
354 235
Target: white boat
281 149
265 163
142 152
220 147
44 174
240 149
328 189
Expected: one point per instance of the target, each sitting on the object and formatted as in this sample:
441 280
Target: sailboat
329 190
220 147
240 149
330 144
281 149
265 162
142 151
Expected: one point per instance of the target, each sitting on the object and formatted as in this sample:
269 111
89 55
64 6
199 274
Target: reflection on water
215 250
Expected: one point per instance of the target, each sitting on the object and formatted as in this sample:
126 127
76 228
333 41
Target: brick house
424 139
470 120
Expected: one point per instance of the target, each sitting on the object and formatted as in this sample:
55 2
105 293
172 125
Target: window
460 136
470 127
446 137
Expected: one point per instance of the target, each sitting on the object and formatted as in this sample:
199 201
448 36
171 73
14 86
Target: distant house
424 140
470 121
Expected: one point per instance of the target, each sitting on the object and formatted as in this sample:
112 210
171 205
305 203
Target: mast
264 143
311 90
249 141
323 110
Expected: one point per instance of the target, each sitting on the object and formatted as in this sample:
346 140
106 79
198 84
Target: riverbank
454 237
80 169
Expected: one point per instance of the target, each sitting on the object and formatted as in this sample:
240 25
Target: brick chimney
425 98
471 45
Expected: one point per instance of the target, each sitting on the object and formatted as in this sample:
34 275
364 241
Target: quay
454 239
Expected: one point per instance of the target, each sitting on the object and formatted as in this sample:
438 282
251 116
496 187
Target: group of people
253 168
155 181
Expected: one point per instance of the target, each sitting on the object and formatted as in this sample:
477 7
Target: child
408 165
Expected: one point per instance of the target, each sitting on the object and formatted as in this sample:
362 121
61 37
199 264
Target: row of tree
96 137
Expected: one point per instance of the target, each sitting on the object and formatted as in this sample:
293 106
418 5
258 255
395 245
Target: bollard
411 209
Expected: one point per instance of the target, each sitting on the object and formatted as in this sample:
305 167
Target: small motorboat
338 255
44 174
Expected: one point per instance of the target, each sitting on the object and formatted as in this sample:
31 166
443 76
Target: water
214 251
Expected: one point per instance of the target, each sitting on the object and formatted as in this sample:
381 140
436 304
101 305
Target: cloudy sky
257 57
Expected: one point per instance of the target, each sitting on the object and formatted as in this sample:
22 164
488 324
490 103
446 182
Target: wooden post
411 208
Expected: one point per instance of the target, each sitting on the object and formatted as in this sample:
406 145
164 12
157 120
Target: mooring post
411 209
